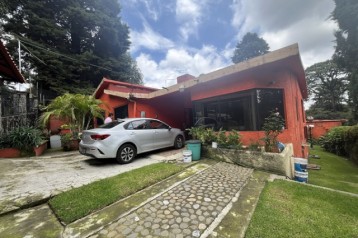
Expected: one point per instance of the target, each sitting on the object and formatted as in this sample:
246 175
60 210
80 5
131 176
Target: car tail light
99 137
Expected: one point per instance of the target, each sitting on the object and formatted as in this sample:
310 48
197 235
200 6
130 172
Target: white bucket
300 164
187 156
214 145
55 141
301 176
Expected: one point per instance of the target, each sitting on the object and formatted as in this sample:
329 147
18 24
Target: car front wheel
179 142
126 154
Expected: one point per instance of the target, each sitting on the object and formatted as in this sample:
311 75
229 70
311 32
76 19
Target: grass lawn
289 209
79 202
336 172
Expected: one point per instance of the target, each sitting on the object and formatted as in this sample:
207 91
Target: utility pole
19 51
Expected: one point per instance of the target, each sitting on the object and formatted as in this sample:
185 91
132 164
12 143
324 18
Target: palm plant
76 109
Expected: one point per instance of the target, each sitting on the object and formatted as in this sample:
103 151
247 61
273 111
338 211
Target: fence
17 109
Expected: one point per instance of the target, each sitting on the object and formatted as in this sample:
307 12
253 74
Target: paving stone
189 208
145 232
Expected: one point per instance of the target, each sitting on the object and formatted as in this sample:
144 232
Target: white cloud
279 22
188 14
178 62
153 8
282 23
149 39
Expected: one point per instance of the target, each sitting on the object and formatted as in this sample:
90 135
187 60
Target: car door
163 136
141 134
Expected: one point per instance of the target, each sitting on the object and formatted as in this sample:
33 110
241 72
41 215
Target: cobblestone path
186 210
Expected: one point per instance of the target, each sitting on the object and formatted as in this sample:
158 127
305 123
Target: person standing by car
109 118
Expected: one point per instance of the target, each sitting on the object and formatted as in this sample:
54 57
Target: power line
24 42
32 54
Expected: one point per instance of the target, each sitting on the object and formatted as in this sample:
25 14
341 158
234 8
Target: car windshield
110 124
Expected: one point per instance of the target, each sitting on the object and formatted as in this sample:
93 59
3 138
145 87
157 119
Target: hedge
342 140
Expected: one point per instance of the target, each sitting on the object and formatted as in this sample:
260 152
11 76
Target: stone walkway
191 209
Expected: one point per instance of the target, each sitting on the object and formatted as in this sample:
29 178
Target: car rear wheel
126 153
178 142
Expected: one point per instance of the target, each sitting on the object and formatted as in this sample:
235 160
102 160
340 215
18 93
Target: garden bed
278 163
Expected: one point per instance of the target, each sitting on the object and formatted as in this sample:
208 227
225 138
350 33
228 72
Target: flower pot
10 153
65 131
75 144
71 145
39 150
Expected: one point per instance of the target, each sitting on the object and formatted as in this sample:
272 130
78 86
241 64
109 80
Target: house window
244 111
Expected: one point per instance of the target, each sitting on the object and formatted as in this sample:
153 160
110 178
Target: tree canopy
346 52
327 87
69 45
249 47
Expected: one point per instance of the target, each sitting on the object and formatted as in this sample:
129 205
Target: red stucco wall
294 112
169 108
321 127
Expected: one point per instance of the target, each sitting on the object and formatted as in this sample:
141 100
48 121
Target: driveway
29 181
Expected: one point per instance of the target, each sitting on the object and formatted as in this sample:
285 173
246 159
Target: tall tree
70 44
346 53
327 85
249 47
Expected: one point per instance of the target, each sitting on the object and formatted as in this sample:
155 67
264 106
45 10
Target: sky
170 38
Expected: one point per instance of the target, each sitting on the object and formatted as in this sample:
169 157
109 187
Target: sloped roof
288 57
8 69
102 87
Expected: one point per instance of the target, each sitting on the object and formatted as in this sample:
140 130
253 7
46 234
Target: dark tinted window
244 111
154 124
137 125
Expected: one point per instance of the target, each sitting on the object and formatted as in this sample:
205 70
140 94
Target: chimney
184 78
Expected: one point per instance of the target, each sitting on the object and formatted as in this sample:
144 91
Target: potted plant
65 128
273 126
205 135
23 139
70 141
6 148
76 109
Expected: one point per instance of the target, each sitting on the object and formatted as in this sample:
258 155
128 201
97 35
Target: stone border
278 163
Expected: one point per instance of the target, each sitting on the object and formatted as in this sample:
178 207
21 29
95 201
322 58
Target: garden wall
278 163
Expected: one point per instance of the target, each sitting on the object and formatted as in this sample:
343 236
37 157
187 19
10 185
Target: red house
239 97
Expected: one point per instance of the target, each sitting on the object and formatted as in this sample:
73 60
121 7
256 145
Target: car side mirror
169 129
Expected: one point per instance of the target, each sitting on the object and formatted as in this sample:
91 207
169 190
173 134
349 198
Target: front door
121 112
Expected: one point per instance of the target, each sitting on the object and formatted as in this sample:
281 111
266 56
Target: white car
123 139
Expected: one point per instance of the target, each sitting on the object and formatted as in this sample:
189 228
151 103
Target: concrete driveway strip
29 181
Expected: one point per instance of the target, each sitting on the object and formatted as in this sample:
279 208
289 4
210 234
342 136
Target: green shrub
273 126
205 135
4 141
254 146
333 141
22 138
224 139
342 140
221 138
351 143
228 139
